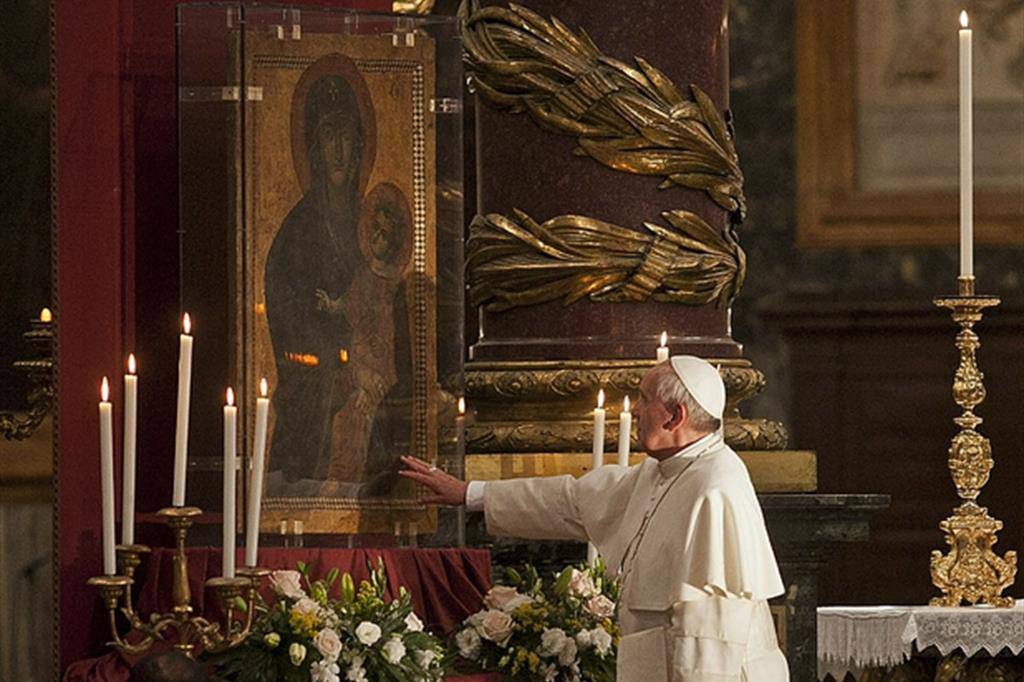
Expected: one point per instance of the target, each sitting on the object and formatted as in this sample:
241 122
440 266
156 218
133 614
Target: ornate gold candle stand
971 571
189 630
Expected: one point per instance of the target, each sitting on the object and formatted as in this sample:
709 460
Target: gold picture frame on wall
337 273
876 137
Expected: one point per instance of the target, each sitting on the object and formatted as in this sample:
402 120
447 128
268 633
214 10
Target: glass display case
321 238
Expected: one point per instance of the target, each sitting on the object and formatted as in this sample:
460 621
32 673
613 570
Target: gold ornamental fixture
970 572
188 630
39 370
517 261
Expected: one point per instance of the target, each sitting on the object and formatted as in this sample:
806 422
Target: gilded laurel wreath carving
631 119
517 261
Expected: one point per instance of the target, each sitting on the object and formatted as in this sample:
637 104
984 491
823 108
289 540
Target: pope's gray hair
671 391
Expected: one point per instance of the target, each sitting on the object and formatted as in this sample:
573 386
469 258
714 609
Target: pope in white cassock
683 529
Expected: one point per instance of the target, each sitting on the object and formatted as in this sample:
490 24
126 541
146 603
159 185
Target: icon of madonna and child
336 283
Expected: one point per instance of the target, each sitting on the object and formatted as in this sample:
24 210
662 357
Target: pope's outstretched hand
446 488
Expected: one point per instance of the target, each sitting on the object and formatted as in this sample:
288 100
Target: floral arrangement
308 636
560 630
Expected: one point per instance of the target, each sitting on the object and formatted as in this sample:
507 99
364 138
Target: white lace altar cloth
852 638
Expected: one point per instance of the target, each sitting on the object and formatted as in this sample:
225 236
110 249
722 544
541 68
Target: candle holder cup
190 630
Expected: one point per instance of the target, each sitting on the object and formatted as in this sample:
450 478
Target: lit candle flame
230 397
131 363
263 387
625 404
600 398
462 407
664 339
186 324
963 19
45 315
104 390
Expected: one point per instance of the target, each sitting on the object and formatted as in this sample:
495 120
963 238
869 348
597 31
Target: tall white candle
598 454
131 396
625 426
966 153
181 425
663 348
230 432
252 525
107 478
460 458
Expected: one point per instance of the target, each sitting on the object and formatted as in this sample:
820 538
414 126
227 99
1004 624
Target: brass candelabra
188 629
970 571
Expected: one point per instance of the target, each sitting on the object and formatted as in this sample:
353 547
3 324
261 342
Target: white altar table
853 638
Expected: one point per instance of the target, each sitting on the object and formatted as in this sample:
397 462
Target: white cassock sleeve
550 508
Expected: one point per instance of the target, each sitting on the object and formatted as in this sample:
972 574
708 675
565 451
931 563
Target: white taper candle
597 458
662 355
625 426
131 396
107 478
181 425
230 432
252 526
966 152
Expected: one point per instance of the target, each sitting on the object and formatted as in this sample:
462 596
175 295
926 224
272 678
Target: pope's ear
678 418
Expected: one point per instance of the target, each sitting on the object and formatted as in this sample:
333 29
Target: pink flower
600 606
505 598
580 585
496 626
328 644
287 584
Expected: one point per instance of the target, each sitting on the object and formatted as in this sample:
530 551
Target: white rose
468 642
580 585
425 657
306 606
505 598
324 671
328 644
297 653
600 606
551 641
601 639
496 626
356 673
394 649
583 639
287 583
413 622
368 633
568 653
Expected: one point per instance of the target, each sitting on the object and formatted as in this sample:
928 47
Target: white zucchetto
702 381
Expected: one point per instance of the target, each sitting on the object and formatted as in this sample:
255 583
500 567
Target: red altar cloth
446 586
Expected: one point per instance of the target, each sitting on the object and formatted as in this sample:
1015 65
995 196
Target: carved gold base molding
783 471
546 406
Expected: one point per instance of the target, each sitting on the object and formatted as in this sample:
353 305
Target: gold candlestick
971 571
128 559
190 630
